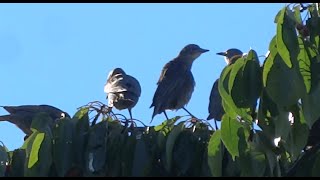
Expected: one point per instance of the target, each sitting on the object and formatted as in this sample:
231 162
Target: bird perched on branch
215 108
22 116
176 82
123 91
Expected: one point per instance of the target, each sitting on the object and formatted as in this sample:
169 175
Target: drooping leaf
38 155
233 136
287 41
252 79
297 14
215 154
4 160
141 158
298 135
252 163
167 124
17 163
42 122
283 91
96 149
63 146
304 65
115 142
170 143
80 136
33 158
282 125
228 103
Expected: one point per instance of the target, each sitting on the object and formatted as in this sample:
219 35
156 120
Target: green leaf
287 41
215 154
115 142
170 143
228 103
81 113
80 137
4 159
282 90
167 124
310 106
97 147
298 136
38 155
63 146
184 154
304 65
33 159
17 163
316 165
235 71
252 79
42 122
268 63
282 125
141 158
297 14
252 164
233 136
128 154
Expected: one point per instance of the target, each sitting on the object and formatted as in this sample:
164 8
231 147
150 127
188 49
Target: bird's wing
172 77
132 85
23 108
215 103
115 84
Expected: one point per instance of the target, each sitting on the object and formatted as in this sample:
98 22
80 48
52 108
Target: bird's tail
4 118
155 112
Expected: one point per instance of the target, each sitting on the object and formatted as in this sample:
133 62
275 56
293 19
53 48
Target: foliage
286 84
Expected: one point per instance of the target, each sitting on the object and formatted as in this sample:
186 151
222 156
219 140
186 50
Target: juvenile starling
176 82
123 91
215 108
22 116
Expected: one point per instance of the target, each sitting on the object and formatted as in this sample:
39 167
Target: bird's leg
189 113
215 123
130 113
166 115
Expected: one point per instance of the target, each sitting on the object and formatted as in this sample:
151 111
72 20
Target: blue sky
60 54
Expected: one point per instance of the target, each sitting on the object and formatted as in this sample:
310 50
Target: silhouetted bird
22 116
215 108
176 82
123 91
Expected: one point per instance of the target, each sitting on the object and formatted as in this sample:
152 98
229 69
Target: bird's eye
63 115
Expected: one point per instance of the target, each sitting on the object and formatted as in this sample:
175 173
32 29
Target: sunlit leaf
215 154
233 136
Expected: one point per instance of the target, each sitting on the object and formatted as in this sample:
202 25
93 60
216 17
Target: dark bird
123 91
215 108
22 116
176 82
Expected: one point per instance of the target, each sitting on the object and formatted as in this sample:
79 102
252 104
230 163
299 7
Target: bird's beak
222 53
203 50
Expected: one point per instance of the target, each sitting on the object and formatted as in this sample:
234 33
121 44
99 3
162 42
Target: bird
176 82
22 115
123 91
215 108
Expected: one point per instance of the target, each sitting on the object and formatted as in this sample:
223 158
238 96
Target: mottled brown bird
123 91
22 116
215 108
176 82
